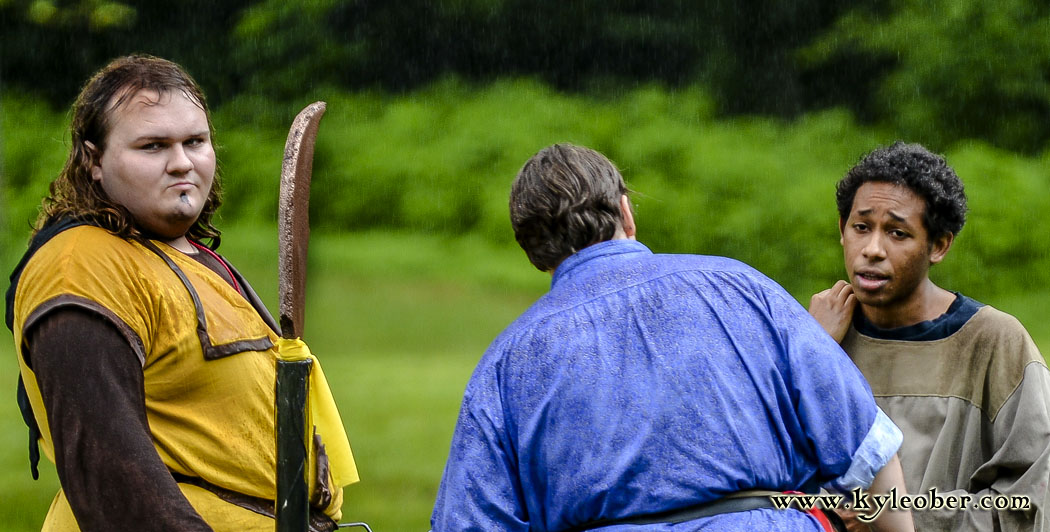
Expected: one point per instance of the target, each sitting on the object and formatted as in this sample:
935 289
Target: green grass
398 321
23 501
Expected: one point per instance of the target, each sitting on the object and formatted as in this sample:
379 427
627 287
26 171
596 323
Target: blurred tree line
937 71
439 162
719 113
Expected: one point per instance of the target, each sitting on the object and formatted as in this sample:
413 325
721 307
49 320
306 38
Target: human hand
849 517
833 309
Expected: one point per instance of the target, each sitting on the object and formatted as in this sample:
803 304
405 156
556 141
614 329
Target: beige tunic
974 407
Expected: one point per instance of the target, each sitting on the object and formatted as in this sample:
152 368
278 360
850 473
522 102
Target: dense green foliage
940 71
956 69
439 161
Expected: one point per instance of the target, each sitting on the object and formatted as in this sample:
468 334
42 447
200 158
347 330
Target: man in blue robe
645 390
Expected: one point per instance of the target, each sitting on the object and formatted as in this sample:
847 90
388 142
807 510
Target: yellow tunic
208 362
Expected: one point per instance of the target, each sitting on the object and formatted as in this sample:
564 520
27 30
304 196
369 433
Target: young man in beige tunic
963 380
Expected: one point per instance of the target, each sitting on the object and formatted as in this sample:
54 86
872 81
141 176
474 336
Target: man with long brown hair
146 360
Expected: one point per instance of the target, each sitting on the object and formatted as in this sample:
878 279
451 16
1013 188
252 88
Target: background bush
934 71
439 161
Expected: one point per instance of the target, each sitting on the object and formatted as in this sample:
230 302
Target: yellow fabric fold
323 413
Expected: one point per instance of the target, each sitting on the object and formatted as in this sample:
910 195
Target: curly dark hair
73 193
925 173
564 199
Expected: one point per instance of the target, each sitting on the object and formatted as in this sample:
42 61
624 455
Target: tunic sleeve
92 385
1012 494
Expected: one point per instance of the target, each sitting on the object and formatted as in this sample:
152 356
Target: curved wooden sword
293 222
292 511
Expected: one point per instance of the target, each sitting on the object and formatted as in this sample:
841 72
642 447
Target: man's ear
842 229
939 248
95 155
629 229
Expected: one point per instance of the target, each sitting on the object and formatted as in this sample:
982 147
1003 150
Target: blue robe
642 383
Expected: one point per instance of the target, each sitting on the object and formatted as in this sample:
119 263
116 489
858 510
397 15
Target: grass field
398 322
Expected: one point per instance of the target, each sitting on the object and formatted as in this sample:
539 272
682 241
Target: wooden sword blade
293 220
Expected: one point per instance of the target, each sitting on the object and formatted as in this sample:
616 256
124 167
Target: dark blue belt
724 505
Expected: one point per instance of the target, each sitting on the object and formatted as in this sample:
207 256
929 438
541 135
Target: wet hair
74 194
923 172
564 199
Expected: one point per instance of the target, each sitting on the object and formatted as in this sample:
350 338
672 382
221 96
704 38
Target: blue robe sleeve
479 490
851 438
